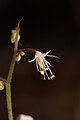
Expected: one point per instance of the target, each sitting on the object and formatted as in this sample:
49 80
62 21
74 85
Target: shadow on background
46 25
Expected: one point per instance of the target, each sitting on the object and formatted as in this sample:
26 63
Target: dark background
46 25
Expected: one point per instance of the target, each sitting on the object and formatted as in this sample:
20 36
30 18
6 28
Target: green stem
8 84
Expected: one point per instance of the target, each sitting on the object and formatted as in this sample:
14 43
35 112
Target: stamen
44 78
53 76
48 78
40 65
46 69
42 72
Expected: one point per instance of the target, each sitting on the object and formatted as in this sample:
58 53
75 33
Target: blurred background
46 25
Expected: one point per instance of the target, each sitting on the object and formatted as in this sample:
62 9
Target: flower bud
19 55
15 36
1 85
22 53
18 58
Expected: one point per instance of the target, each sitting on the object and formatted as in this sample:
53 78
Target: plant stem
8 83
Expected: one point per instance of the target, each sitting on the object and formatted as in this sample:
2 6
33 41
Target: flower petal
45 54
52 56
32 60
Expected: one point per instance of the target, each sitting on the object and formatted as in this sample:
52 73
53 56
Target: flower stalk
14 39
8 84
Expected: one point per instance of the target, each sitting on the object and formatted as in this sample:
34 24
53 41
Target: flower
42 64
24 117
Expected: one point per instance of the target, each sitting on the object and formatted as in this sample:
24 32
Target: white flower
24 117
42 64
